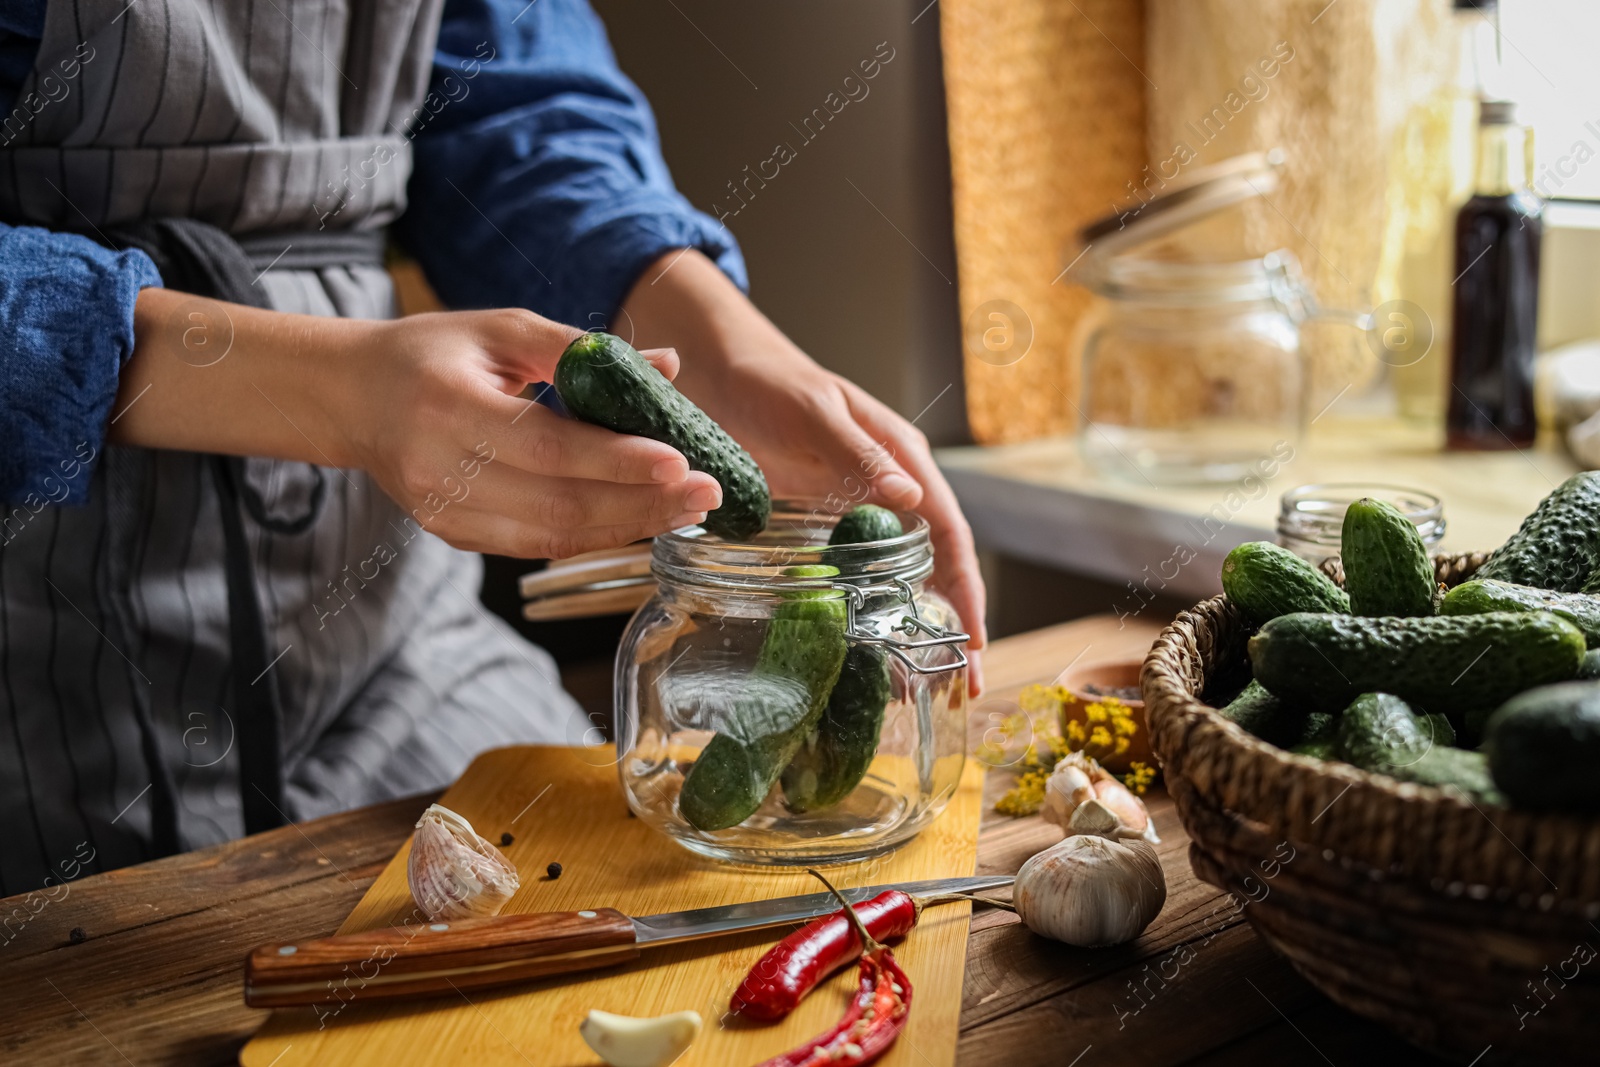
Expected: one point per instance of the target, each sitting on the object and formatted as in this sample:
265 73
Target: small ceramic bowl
1089 683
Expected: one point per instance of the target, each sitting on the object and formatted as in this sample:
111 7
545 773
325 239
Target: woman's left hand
814 433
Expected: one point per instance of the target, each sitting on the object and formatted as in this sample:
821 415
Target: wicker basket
1458 927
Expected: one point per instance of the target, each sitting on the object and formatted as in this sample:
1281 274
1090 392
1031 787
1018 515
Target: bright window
1548 65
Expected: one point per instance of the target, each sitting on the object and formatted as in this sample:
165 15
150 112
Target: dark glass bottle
1496 294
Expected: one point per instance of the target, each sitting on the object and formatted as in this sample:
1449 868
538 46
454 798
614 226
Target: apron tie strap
198 258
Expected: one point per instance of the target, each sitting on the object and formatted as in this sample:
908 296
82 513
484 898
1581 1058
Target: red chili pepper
877 1013
794 966
876 1016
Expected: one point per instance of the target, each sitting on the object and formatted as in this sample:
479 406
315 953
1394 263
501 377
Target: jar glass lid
1184 199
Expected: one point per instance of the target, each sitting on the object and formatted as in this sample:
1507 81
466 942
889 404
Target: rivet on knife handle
424 958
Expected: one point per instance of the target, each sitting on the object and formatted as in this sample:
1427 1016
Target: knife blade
426 958
673 926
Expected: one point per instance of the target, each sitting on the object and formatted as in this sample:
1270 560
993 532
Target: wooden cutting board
564 805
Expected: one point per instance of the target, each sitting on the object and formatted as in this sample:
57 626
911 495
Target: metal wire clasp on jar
791 702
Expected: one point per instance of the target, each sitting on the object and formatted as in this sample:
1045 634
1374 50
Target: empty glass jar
1311 517
1195 372
734 737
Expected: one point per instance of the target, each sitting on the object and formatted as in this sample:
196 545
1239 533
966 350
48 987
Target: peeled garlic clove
623 1041
1132 815
1090 890
1094 817
454 873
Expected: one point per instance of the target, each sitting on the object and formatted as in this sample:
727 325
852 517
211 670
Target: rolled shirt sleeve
538 178
66 312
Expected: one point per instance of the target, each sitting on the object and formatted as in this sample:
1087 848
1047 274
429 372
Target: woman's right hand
429 405
451 440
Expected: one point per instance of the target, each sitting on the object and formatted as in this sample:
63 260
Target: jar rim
1315 512
1150 282
796 535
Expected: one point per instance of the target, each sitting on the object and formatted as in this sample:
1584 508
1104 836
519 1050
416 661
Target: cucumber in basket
796 668
1544 747
1275 721
1265 581
835 756
1558 546
1379 732
1591 664
1486 594
1449 663
1386 566
601 379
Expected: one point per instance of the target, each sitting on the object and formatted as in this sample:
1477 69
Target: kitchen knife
425 958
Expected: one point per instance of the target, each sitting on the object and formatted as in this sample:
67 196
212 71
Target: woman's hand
814 433
428 405
554 487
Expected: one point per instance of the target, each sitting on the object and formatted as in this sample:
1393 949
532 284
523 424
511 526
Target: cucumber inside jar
799 662
836 755
822 742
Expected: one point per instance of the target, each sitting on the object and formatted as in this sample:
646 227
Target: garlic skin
1082 797
453 872
1090 890
623 1041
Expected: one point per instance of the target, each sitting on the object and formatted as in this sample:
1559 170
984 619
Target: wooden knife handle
428 958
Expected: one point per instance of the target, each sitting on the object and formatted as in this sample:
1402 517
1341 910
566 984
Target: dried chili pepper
877 1013
794 966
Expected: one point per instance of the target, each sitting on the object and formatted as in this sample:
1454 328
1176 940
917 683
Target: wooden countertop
143 965
1040 501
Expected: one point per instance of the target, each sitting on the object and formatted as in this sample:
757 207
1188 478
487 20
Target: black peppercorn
506 839
77 936
554 870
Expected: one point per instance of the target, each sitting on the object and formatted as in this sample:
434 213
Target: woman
194 647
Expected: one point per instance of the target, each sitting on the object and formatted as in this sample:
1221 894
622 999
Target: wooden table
142 965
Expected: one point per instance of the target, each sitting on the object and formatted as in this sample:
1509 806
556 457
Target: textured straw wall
1061 111
1343 104
1047 125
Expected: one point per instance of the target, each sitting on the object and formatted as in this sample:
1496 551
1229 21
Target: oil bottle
1495 293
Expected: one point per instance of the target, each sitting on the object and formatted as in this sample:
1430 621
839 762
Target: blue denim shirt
538 183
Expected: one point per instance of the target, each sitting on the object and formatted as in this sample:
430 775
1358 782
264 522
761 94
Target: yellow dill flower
1050 749
1096 712
1139 777
1037 698
1100 737
1077 733
1024 798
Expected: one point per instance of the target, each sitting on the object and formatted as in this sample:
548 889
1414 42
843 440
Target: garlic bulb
1082 797
623 1041
1089 890
454 873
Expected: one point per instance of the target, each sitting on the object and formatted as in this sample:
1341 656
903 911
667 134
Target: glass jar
1194 372
716 654
1311 517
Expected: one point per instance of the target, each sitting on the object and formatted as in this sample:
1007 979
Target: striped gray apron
260 117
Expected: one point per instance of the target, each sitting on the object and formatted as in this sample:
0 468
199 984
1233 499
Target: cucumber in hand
602 380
